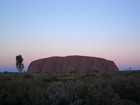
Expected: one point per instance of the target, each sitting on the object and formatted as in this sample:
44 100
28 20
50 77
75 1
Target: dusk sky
37 29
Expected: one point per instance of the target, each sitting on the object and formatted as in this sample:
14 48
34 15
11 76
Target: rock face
72 63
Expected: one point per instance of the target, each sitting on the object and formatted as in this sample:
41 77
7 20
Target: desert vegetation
90 88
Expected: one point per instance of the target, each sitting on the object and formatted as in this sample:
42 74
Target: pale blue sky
44 28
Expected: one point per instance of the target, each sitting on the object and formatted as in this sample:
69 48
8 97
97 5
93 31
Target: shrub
101 93
92 71
50 79
73 71
69 93
37 95
128 102
5 72
77 89
127 87
28 76
14 92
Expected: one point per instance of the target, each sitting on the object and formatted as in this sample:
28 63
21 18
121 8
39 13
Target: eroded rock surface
72 63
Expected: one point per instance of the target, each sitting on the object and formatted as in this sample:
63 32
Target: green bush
28 76
69 93
73 71
5 72
109 88
50 79
101 93
92 71
127 87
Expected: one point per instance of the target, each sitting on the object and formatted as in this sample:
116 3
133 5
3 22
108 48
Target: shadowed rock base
72 63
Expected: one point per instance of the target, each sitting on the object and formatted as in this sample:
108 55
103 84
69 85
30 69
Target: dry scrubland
90 88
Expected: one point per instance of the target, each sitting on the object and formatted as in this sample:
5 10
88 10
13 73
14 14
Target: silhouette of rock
72 63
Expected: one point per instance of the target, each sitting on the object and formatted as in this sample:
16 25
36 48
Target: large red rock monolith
72 63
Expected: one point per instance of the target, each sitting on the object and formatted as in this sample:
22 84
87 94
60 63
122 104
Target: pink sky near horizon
122 62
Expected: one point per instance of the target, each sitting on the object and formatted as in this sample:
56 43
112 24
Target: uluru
72 63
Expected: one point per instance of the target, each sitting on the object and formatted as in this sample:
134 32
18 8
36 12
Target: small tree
19 63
